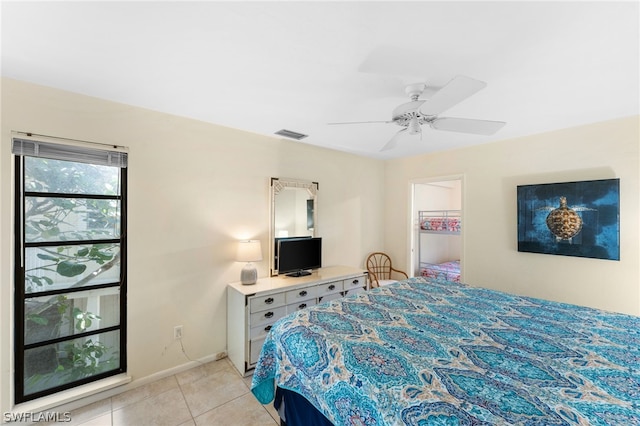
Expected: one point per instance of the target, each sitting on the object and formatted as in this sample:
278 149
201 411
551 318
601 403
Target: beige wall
194 190
492 172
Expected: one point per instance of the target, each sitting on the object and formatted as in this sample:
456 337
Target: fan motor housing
403 114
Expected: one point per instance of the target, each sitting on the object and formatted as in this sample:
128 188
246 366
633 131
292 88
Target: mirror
294 212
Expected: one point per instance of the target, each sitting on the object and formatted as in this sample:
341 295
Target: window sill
72 395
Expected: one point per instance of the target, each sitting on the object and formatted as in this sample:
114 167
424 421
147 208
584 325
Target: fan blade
362 122
454 92
393 142
467 125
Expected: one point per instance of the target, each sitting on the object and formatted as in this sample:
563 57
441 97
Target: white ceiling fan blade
361 122
454 92
467 125
393 142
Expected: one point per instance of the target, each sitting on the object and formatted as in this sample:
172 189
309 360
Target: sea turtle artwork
579 219
563 221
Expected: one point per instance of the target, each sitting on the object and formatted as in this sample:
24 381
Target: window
70 271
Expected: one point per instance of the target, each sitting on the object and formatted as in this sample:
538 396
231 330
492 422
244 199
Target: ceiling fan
412 115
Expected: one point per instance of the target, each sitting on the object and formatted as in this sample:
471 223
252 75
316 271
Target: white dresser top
318 276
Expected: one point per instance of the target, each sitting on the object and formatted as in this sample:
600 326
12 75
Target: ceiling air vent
291 134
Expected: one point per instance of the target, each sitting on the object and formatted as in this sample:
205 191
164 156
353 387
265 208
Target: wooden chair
380 269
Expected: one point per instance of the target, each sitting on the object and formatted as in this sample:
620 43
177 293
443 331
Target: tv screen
276 247
296 256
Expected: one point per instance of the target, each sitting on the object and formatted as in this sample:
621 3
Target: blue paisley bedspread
423 352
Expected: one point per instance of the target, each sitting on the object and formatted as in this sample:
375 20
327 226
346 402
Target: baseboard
171 371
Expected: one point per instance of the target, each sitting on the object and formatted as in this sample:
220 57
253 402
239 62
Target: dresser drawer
260 303
260 332
268 316
254 350
330 288
301 304
353 291
355 282
306 293
329 297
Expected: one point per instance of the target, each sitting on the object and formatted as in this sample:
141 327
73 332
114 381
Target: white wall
194 190
491 174
438 195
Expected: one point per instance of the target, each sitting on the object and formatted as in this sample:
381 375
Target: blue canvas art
570 218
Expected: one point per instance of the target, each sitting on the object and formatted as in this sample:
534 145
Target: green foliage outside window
65 209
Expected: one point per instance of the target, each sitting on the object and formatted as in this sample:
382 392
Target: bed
439 244
448 271
440 221
422 352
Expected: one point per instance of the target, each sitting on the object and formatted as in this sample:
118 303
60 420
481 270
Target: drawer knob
355 282
267 328
268 314
303 293
332 287
268 301
302 306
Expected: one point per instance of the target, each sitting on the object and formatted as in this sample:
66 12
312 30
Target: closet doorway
436 241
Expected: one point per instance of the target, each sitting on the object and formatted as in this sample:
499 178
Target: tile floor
211 394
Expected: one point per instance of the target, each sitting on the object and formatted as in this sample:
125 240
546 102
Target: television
296 256
276 246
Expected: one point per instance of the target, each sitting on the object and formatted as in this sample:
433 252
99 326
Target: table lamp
249 251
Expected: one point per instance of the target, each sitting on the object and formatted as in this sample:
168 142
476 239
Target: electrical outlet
177 332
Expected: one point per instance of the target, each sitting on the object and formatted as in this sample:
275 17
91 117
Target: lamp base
249 274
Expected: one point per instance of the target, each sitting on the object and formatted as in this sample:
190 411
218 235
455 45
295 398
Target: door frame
412 222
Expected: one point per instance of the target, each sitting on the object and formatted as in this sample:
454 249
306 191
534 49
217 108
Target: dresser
252 309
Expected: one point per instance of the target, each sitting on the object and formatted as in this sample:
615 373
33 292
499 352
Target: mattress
449 271
423 351
440 224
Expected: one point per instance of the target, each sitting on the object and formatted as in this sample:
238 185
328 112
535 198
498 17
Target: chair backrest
379 264
380 269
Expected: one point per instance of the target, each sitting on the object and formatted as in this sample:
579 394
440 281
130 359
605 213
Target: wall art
570 218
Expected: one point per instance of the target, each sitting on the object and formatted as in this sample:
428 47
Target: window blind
54 151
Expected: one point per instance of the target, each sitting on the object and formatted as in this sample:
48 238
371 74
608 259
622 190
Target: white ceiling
265 66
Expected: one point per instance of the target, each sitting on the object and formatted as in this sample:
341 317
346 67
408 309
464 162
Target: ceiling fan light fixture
414 126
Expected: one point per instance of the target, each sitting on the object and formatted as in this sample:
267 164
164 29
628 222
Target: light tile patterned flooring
211 394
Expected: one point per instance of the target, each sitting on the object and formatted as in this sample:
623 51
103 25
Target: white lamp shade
249 251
